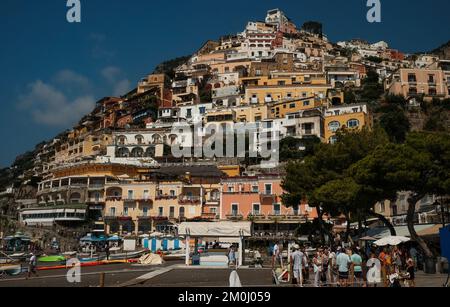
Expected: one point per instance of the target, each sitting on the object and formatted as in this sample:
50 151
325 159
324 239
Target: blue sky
53 71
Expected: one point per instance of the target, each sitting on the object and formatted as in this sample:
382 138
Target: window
160 211
412 91
353 123
412 78
181 212
189 113
334 126
112 211
172 193
277 209
213 210
256 209
355 110
258 72
308 128
202 110
125 211
333 139
337 112
230 189
268 189
432 92
146 195
130 194
292 106
145 211
172 212
234 209
431 79
306 103
289 95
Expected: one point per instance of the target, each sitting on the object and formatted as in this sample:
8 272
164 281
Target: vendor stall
234 232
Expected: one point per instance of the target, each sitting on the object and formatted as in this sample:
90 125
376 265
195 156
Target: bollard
102 280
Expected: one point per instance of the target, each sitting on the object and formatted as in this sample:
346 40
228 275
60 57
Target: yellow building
251 113
269 94
283 108
354 116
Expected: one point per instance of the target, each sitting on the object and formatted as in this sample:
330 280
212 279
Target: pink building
259 199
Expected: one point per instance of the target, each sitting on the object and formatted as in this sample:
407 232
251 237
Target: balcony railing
189 199
209 216
165 197
113 198
235 216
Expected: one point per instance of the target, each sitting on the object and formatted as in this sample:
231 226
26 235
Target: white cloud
71 79
50 106
111 73
122 87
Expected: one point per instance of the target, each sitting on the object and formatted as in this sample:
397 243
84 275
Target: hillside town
114 173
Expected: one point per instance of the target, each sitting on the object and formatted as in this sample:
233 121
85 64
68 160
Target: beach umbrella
391 240
113 238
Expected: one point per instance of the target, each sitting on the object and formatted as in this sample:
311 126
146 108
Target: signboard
129 245
445 242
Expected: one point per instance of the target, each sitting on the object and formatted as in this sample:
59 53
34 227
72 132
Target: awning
216 229
381 232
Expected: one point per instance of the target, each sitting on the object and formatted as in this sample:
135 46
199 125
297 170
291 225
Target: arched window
156 138
122 140
353 123
150 152
75 198
123 152
139 139
137 152
334 126
173 139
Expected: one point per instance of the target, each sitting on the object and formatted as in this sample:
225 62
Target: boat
55 258
125 256
11 270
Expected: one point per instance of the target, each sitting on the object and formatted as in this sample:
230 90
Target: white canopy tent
229 231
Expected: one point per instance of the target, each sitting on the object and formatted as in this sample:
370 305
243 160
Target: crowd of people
345 267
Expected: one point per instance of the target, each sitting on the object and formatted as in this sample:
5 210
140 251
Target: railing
189 199
234 216
95 200
165 197
113 198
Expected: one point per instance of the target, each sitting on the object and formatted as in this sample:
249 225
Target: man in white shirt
297 261
32 266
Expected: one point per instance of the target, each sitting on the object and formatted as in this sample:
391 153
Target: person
306 266
325 265
317 264
231 256
413 254
258 259
357 267
331 264
32 266
107 251
410 268
275 253
382 257
297 260
343 262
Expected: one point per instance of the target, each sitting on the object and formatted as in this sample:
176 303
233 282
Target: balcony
256 217
183 199
268 195
277 216
235 216
209 216
165 197
144 217
137 199
254 100
93 187
113 198
94 200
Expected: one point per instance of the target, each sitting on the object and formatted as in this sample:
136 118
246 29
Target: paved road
115 274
